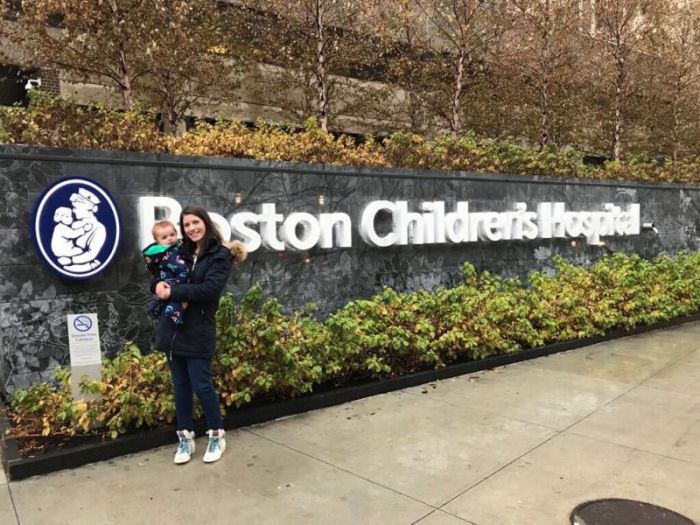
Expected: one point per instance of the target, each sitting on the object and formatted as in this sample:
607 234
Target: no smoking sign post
85 350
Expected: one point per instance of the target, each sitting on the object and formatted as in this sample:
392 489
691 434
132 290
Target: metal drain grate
625 512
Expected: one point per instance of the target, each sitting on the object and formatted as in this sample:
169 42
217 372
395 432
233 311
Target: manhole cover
625 512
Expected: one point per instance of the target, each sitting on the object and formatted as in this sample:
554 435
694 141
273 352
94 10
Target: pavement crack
417 522
354 474
635 449
14 507
502 467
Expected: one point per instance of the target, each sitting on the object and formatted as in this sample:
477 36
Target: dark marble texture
34 301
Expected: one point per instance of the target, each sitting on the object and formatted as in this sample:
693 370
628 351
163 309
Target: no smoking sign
84 340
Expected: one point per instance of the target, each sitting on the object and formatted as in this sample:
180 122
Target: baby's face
66 219
166 236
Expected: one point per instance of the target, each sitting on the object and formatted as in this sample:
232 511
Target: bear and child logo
76 228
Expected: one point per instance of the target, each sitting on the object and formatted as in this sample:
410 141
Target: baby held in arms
164 260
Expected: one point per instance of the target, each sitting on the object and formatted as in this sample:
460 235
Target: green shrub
265 353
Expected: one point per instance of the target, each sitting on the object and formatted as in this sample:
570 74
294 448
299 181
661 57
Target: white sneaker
216 446
185 448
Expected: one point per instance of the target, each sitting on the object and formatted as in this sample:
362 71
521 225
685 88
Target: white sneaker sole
182 461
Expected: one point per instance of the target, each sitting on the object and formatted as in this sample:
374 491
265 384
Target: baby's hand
87 227
162 290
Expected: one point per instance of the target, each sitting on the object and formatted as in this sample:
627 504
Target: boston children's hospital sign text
385 223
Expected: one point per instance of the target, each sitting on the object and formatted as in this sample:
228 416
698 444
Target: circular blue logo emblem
76 228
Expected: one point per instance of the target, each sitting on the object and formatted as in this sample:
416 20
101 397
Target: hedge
54 122
266 354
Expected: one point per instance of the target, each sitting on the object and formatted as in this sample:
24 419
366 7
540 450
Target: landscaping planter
17 467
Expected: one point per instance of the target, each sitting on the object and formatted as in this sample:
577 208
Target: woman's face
194 228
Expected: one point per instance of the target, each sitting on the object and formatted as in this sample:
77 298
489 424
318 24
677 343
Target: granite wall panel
34 301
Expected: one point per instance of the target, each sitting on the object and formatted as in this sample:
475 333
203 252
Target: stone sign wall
34 300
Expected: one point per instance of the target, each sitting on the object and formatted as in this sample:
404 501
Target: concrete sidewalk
523 444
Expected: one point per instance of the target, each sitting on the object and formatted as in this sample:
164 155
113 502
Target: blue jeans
192 374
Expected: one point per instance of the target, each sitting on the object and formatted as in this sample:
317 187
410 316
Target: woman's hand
163 290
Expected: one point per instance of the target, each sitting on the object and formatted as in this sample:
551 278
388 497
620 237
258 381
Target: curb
17 467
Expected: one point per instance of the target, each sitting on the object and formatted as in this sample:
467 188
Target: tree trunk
580 15
455 119
125 81
413 112
173 123
322 88
617 133
619 120
412 81
676 130
544 120
124 75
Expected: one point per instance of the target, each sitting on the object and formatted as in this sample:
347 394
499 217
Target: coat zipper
172 340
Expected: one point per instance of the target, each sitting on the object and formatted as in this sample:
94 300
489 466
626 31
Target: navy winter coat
196 337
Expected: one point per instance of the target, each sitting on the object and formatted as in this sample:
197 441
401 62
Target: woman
190 346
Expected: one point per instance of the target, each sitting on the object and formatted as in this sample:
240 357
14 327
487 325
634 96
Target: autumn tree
166 53
544 47
314 48
104 40
676 42
402 31
622 32
190 58
463 37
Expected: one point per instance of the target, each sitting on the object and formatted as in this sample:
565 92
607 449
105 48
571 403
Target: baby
65 232
163 259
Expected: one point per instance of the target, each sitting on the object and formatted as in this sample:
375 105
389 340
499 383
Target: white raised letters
432 224
367 231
